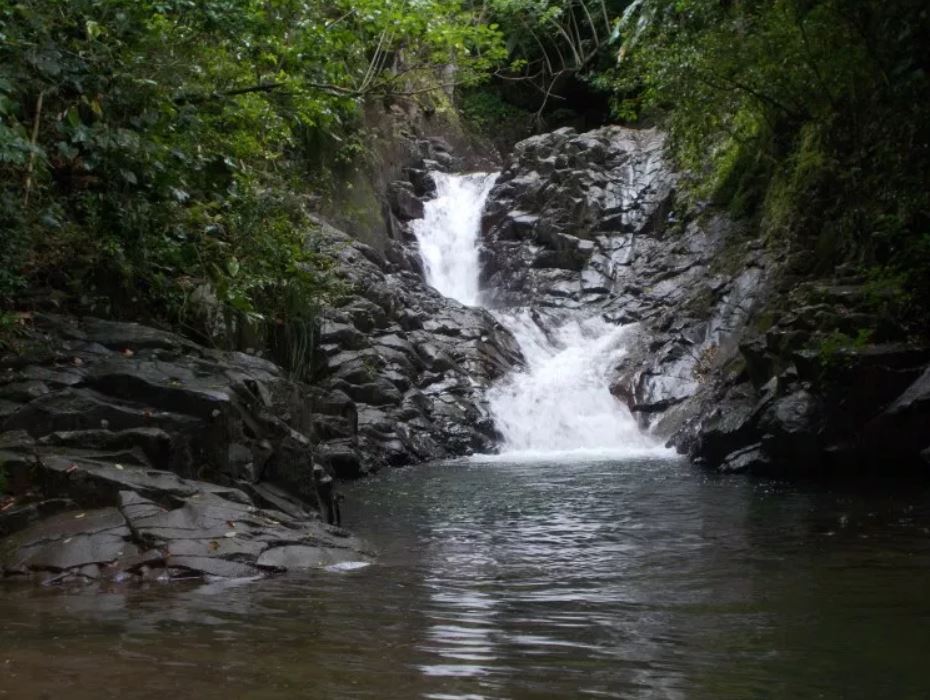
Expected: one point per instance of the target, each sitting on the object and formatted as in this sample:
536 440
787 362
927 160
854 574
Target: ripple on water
633 579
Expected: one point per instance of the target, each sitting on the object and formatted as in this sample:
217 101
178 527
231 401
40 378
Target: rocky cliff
728 362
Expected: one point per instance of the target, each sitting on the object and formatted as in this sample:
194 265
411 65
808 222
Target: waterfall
448 234
560 402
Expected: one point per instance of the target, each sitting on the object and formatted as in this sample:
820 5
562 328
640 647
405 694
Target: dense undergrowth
158 158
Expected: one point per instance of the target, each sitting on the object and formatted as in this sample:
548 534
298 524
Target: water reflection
640 579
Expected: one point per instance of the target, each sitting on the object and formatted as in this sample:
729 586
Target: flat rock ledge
133 454
213 533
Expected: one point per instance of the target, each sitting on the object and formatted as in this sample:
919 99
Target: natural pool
631 579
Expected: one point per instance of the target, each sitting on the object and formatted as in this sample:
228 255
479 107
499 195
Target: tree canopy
149 146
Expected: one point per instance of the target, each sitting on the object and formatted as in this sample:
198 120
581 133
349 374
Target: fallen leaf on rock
231 534
214 545
128 353
71 468
79 516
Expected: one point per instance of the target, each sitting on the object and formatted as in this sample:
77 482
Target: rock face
154 457
402 370
569 213
590 222
727 361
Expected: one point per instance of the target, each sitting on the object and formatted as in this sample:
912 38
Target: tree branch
30 167
219 94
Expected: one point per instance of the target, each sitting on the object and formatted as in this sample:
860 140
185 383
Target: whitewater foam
448 234
559 405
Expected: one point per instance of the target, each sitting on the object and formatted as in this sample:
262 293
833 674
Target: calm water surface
605 580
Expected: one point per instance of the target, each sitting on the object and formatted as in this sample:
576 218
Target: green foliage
832 346
147 146
551 42
485 111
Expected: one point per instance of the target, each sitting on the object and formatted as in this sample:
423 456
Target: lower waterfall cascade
559 403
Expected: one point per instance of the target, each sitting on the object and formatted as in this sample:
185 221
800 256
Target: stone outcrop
590 222
790 404
402 370
727 362
132 452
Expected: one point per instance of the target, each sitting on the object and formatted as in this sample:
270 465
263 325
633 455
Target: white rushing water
560 404
448 234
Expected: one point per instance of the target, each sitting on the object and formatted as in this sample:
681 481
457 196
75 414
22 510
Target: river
637 579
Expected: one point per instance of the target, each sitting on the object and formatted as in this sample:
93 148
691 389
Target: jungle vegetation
153 150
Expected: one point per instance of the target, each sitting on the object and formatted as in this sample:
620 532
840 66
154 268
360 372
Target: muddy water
636 579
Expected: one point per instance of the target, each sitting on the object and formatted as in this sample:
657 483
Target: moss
485 112
700 303
739 169
833 345
764 321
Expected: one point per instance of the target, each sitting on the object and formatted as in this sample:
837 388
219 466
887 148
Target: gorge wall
163 458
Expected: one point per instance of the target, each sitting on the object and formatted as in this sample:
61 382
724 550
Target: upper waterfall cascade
560 402
448 234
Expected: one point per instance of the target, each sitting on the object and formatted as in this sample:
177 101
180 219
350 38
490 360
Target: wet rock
422 339
915 399
791 428
900 434
342 458
16 518
131 420
749 459
70 540
726 429
298 557
404 202
124 388
556 193
201 534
